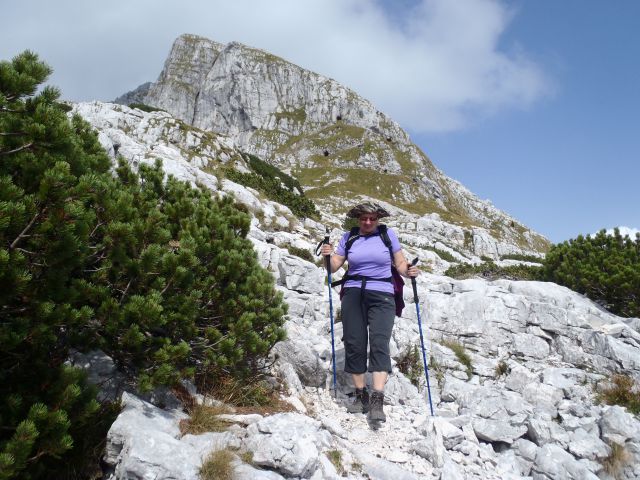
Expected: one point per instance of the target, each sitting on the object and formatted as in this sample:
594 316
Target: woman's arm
336 260
403 266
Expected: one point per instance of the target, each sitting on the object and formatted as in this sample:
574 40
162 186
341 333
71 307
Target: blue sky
533 104
569 163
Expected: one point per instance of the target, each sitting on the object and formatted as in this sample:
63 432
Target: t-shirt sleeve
343 244
395 243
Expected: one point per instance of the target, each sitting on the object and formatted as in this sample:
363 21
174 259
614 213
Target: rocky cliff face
522 404
335 142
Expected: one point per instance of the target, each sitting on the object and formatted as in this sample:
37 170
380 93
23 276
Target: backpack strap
382 228
354 234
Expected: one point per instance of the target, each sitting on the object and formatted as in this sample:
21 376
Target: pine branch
96 270
16 150
125 291
23 234
96 228
5 109
168 285
12 134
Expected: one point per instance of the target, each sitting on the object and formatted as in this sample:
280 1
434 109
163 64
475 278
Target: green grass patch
443 254
247 395
247 457
298 115
461 354
335 457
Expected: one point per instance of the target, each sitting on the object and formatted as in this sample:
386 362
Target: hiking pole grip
327 258
413 282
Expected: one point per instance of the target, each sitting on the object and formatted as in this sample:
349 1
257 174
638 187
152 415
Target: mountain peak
335 142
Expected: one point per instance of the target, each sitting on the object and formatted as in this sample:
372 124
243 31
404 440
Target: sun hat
367 207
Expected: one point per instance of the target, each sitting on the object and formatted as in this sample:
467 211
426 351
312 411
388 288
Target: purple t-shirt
369 256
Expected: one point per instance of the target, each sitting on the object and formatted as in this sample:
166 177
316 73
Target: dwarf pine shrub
605 268
276 185
156 273
491 271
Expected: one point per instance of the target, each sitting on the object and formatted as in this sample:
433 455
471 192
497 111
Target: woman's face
368 223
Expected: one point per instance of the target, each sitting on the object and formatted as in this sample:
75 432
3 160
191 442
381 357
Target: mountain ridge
319 131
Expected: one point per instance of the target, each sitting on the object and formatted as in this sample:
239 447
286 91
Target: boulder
553 462
289 443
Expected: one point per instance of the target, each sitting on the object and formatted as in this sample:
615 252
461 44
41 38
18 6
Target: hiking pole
424 356
327 261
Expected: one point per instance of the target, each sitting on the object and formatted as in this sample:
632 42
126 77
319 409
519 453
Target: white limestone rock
145 442
431 446
298 351
497 431
553 462
300 275
585 445
530 346
381 469
618 425
450 471
544 430
288 443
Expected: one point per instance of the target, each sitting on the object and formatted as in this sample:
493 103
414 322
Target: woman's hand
327 249
412 271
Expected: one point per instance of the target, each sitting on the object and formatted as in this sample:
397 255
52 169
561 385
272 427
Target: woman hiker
368 306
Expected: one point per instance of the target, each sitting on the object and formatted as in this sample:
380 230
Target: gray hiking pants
367 318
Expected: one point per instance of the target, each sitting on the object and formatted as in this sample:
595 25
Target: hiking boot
376 412
360 402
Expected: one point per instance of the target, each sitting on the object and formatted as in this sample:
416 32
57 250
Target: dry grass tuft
204 418
617 460
501 369
218 466
250 395
410 364
623 391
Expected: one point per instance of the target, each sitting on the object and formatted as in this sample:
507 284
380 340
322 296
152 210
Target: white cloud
435 65
631 232
625 231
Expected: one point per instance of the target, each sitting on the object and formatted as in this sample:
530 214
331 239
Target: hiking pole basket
424 355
